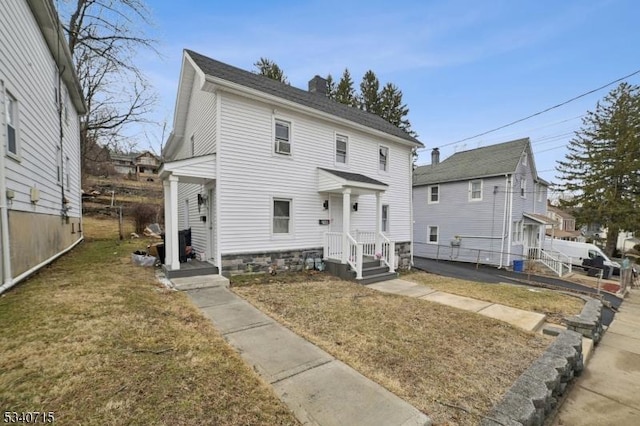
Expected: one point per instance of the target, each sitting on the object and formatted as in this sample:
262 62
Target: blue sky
464 66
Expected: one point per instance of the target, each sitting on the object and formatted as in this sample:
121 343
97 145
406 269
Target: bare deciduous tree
105 37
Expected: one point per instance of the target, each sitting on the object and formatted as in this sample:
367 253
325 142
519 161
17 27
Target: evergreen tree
345 93
270 69
369 93
331 87
602 166
392 109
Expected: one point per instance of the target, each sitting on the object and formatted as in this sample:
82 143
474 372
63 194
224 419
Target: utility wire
545 110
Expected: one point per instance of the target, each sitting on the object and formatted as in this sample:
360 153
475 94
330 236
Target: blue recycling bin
518 265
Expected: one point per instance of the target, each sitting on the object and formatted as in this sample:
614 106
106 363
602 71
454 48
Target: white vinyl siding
434 194
281 216
383 158
475 190
282 137
342 144
432 235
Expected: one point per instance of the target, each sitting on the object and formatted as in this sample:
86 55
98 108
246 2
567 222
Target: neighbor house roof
492 160
563 214
316 101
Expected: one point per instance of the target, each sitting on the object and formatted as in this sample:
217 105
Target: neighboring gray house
486 204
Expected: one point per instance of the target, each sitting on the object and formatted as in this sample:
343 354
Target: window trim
471 190
523 188
429 194
14 115
336 136
275 142
272 217
540 191
387 162
437 228
384 225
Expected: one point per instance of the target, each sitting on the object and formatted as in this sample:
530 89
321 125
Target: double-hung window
475 190
434 194
341 149
523 188
432 236
12 124
283 137
281 216
383 158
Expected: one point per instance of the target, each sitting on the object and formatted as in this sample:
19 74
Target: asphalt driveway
491 275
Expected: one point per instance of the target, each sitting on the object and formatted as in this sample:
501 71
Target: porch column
346 224
172 260
378 222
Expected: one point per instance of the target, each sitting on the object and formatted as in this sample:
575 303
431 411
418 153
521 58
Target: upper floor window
540 193
283 137
341 149
281 216
12 124
523 188
475 190
193 145
434 194
383 158
524 159
385 218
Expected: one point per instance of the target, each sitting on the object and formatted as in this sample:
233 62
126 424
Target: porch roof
190 170
337 180
539 219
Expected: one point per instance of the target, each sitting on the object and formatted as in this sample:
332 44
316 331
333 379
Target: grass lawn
440 359
98 341
555 305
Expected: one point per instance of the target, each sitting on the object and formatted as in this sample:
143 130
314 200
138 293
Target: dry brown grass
551 303
98 341
431 355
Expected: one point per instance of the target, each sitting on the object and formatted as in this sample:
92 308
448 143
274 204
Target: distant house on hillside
41 100
483 205
564 227
142 166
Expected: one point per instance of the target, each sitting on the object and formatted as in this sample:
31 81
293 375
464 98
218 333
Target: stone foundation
284 260
403 255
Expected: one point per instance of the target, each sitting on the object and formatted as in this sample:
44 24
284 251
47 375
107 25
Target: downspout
504 218
7 281
410 209
510 221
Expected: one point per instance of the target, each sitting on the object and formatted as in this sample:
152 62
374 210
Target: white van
578 251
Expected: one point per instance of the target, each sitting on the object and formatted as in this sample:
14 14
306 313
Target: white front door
335 209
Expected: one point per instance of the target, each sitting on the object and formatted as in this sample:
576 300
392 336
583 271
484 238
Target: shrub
143 215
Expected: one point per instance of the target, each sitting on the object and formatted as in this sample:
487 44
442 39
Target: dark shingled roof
493 160
266 85
354 177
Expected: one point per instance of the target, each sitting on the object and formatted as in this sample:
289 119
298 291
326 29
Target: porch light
355 207
325 205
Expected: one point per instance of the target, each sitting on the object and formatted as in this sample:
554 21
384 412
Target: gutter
26 274
411 208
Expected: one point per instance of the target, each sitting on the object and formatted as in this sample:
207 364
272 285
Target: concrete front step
378 278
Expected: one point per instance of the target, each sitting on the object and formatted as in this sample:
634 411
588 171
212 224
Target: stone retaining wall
536 392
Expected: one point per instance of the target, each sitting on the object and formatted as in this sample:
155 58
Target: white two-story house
40 102
484 205
264 173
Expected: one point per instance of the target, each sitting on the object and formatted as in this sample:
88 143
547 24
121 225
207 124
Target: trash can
518 265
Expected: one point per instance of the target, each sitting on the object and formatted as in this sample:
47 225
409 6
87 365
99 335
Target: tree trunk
612 240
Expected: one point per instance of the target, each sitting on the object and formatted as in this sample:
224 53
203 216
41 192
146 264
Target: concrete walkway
530 321
318 389
608 391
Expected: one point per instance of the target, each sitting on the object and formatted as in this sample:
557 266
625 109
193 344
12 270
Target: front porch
534 233
366 256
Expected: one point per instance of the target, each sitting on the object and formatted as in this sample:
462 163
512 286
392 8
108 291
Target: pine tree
270 69
331 87
392 109
602 166
369 93
345 93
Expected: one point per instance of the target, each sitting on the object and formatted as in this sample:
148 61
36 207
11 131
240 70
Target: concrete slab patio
318 389
530 321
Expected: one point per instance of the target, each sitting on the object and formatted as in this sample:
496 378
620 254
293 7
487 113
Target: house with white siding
40 100
266 174
484 205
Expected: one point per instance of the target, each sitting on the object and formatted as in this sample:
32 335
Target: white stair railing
355 251
368 240
387 251
556 261
333 245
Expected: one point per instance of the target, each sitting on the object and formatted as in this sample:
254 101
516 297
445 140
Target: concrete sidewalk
318 389
530 321
608 391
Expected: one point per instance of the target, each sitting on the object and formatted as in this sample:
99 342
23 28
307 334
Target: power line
545 110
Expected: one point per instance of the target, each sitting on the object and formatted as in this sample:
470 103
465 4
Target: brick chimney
318 85
435 156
